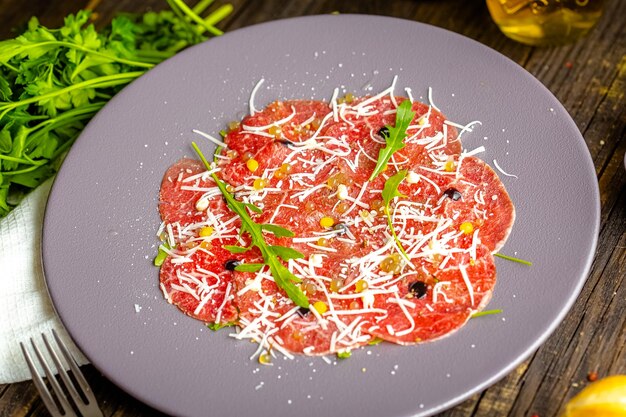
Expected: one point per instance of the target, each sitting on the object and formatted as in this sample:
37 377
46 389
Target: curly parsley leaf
52 81
395 138
284 278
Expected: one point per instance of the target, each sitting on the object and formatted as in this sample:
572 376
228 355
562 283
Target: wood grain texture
588 77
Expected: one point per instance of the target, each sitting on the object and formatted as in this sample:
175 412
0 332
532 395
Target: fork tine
69 385
66 408
74 367
90 407
40 385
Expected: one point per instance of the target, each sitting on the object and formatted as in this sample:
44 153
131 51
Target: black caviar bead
453 193
384 132
341 228
231 264
303 311
418 289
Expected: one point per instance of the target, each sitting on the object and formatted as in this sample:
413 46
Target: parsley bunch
52 81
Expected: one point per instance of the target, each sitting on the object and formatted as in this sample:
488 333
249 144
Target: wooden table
588 77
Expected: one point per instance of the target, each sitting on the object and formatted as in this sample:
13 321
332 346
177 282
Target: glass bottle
545 22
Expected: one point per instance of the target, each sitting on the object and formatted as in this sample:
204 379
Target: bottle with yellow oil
545 22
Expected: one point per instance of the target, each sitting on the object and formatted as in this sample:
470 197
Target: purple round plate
99 232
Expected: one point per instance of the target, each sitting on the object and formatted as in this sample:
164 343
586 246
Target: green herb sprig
395 138
485 313
53 81
284 278
390 191
512 259
218 326
344 354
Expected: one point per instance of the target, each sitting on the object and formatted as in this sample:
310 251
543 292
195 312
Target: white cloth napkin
25 307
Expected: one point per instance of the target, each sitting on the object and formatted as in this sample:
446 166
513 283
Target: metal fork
61 407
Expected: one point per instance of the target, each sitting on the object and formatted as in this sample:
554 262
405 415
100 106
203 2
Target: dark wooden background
588 77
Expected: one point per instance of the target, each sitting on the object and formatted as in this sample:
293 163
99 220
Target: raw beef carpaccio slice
306 165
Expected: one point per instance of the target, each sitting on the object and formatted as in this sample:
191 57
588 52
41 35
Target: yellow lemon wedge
603 398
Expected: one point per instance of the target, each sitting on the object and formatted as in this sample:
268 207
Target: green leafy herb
53 81
255 209
284 278
375 341
486 313
286 253
395 138
390 191
216 326
277 230
344 355
510 258
235 249
249 267
162 255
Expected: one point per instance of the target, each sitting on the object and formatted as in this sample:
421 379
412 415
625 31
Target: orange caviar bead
327 222
355 305
275 131
391 264
342 207
336 284
310 288
361 285
259 184
252 164
467 228
265 358
206 231
320 307
377 205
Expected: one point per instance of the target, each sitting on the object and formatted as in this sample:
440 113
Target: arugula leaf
395 138
282 276
390 191
249 267
235 249
253 208
286 253
278 231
